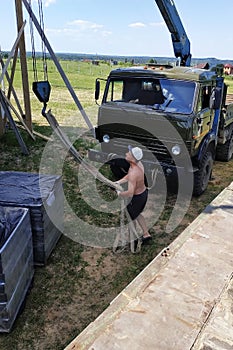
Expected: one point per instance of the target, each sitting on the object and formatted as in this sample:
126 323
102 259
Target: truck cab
168 111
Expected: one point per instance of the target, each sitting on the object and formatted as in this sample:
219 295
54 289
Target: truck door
204 115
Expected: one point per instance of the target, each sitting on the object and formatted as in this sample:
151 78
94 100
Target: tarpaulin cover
8 220
25 188
43 195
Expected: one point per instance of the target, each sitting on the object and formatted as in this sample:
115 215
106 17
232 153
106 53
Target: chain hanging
40 88
32 44
43 47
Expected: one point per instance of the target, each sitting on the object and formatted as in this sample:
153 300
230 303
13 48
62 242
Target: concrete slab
180 301
217 332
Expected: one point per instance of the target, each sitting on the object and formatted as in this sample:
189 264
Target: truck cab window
115 91
164 94
139 91
206 92
178 96
204 98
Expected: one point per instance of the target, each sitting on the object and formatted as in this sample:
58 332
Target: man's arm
131 187
123 180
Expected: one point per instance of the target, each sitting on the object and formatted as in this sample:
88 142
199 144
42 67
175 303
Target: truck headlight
106 138
176 150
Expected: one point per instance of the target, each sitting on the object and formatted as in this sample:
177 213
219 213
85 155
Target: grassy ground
79 281
82 77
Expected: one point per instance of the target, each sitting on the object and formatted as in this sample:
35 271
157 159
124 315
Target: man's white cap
136 152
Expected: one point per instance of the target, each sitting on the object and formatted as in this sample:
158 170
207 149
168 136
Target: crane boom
180 41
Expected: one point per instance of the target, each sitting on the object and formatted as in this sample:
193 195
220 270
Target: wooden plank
19 117
11 54
13 67
59 67
229 99
23 62
12 123
46 138
10 82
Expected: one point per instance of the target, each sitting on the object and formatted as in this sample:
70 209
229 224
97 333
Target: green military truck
178 115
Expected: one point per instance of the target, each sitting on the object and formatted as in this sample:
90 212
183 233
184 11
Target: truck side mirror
215 98
97 89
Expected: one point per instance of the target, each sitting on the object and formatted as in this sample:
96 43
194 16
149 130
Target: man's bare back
136 178
137 191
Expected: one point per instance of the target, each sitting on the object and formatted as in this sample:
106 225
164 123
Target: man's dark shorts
137 204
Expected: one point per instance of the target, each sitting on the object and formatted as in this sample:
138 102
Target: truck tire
202 176
119 168
224 152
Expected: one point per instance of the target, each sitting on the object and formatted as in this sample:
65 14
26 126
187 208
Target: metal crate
43 195
16 263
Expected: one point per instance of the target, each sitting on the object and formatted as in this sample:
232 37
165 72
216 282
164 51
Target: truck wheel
119 168
202 176
225 152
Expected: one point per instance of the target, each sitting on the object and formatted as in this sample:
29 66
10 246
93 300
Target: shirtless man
137 190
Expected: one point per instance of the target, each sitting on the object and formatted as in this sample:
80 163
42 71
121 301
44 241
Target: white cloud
106 33
137 25
80 29
77 32
85 25
143 25
49 2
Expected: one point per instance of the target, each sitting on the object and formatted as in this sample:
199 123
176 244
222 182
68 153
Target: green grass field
229 83
82 76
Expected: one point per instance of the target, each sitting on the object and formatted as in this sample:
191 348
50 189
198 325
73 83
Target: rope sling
122 238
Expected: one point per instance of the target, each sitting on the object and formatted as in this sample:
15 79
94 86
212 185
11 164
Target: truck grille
151 148
156 148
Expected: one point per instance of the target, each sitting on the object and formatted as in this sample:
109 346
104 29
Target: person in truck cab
137 191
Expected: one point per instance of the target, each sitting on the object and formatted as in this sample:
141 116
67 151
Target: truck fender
209 141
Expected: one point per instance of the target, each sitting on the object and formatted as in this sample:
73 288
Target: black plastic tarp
9 218
26 189
43 195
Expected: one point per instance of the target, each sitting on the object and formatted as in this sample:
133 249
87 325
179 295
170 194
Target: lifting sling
122 239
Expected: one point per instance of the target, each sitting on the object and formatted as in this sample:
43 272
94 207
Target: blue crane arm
180 41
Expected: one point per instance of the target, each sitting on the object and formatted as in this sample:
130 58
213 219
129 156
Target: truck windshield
170 95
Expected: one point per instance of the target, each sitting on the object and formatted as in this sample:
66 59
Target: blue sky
125 27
